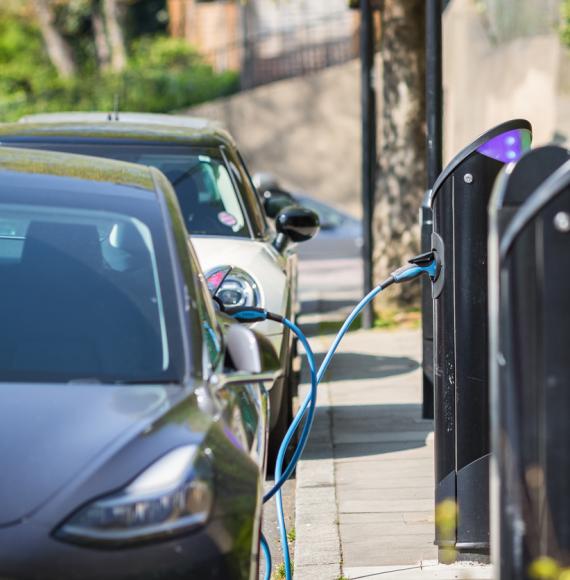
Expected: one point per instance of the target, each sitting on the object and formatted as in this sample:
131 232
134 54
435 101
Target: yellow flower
544 568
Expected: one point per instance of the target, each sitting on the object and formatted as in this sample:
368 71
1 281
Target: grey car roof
67 166
126 117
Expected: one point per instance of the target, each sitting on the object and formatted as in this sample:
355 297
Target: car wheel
284 420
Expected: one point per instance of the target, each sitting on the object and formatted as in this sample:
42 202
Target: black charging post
529 288
459 202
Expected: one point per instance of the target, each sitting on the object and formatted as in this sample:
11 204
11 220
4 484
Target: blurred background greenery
94 54
566 22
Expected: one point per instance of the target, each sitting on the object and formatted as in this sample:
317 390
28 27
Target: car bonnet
50 433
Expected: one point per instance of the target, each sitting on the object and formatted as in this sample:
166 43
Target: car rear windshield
207 194
83 294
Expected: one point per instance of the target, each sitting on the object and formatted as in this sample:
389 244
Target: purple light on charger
508 146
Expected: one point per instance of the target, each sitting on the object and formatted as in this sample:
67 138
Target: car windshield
206 193
82 296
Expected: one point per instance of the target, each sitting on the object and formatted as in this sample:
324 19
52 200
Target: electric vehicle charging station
459 201
529 253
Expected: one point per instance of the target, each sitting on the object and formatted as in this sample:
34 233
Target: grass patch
333 326
291 535
389 319
280 571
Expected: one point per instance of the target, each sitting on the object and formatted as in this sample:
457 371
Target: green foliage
565 22
164 74
163 52
23 64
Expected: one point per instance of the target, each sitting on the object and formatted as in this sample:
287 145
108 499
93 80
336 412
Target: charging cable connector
428 263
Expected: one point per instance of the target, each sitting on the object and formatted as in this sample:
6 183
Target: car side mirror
297 224
251 352
275 202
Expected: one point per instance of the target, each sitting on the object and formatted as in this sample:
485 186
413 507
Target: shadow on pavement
321 306
347 366
371 430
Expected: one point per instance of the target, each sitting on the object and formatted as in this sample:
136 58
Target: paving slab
408 518
349 492
424 571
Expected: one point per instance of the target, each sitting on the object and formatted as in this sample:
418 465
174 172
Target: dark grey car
133 420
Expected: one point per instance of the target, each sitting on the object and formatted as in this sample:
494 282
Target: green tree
23 62
113 17
86 71
57 47
65 24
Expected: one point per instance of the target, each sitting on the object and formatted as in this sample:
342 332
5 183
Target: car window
210 202
206 194
81 298
197 295
258 212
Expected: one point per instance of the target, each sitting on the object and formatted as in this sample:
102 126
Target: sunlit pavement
364 489
329 288
364 506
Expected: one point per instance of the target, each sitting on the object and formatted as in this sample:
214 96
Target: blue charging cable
425 263
267 555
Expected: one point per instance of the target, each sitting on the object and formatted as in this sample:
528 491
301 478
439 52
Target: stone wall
487 83
305 130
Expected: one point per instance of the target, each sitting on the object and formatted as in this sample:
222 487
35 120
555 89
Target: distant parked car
247 263
340 235
133 418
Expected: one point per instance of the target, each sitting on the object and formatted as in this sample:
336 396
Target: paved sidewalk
365 483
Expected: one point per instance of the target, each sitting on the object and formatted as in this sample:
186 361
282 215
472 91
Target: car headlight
172 496
233 287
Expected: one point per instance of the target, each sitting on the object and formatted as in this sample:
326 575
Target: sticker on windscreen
227 219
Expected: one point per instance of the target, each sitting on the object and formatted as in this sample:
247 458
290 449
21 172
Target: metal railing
290 51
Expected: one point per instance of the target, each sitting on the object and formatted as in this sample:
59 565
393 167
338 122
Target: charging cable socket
429 262
415 267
